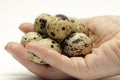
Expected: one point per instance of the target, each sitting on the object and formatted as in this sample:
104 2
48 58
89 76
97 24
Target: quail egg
35 58
52 44
30 36
77 44
58 29
40 24
78 25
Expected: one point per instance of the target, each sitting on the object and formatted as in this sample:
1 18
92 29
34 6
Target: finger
18 52
26 27
55 59
21 55
46 54
44 71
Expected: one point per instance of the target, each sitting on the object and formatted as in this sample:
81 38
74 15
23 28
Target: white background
15 12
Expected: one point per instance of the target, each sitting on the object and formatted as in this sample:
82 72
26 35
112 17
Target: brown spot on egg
52 46
42 23
25 38
42 61
86 45
83 25
53 42
63 28
63 17
42 27
72 21
36 22
76 41
52 33
34 38
71 35
33 54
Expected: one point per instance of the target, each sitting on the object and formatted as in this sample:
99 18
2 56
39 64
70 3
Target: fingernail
7 48
9 51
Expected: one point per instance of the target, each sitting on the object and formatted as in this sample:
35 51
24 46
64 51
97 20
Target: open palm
104 60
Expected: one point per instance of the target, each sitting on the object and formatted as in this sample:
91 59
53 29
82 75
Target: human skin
104 61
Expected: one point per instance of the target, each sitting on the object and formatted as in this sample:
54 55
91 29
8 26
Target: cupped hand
21 55
104 61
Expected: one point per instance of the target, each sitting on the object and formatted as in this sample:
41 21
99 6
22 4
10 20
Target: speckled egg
77 44
40 24
58 28
52 44
49 43
30 36
35 58
78 25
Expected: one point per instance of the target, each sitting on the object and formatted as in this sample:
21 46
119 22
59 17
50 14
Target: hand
21 55
104 60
